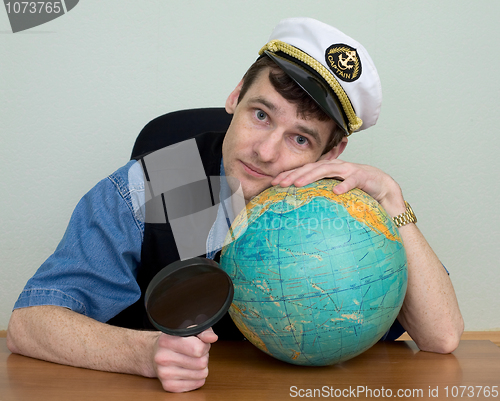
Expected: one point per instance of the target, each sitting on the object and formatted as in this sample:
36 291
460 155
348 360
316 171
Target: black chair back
179 126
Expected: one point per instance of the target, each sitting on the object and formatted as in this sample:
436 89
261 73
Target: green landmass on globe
318 277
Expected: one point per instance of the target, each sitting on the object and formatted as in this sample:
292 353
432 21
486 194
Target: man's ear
232 100
336 151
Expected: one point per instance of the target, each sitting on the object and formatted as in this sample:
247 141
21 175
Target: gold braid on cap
277 45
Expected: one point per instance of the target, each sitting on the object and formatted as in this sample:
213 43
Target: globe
318 277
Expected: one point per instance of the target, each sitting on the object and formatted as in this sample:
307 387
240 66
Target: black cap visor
312 83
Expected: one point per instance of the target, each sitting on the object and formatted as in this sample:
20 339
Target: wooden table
239 371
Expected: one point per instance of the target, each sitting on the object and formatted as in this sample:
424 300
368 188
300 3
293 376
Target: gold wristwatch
404 218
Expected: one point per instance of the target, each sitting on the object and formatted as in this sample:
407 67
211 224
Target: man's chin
250 193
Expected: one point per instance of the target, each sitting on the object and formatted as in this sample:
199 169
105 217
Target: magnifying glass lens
188 297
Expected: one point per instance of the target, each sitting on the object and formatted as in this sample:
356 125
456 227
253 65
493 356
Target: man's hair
291 91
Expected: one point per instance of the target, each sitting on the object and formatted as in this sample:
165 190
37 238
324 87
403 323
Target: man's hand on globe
371 180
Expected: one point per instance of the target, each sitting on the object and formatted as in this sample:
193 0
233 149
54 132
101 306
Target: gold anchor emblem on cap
344 62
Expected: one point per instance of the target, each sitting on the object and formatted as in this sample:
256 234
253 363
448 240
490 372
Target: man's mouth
254 171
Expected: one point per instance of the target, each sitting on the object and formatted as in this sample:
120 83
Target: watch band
404 218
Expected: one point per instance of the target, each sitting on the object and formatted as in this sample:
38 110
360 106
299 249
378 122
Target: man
292 114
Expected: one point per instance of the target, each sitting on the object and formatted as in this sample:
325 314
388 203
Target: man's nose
269 146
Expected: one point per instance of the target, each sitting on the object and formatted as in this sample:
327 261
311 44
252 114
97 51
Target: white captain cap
334 69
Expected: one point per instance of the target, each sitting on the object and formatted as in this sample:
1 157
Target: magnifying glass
187 297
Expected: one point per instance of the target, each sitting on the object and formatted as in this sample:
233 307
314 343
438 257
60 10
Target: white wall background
75 92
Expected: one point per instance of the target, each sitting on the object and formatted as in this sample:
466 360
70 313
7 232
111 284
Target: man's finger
181 386
208 336
190 346
281 176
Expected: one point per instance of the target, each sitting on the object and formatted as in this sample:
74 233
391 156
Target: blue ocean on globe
318 278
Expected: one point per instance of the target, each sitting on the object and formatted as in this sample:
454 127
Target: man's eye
261 116
301 140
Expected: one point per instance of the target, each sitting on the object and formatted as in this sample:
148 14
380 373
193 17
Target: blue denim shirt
94 268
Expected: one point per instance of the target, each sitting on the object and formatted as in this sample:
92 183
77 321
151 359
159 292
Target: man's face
267 137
